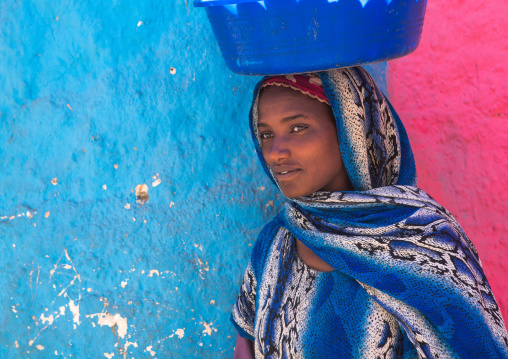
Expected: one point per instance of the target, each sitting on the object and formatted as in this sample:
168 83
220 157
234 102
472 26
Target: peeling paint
113 321
149 349
48 319
153 271
75 311
179 333
128 344
208 328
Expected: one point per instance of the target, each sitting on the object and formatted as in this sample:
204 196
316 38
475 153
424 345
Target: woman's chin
292 193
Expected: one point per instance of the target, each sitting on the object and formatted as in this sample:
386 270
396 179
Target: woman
359 263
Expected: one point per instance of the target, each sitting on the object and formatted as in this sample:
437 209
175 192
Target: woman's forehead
280 103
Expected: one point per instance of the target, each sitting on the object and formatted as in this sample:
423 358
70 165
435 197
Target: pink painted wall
452 95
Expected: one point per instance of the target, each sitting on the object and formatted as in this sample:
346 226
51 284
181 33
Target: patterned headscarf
372 140
308 84
407 252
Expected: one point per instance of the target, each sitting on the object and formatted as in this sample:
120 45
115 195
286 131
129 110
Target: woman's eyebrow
284 120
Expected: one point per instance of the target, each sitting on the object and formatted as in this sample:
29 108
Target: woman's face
299 143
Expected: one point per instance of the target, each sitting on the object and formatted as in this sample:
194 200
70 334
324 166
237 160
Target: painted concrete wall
97 98
452 95
104 104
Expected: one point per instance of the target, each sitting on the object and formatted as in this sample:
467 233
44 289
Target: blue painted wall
96 99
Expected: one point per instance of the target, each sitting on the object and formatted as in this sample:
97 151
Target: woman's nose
279 150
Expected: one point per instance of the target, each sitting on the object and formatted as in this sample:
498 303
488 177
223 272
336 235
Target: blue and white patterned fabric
407 283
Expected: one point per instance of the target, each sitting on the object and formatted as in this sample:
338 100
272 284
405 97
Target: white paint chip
62 310
172 70
156 182
140 23
75 311
111 321
123 284
46 214
109 356
180 333
208 329
149 349
49 319
127 206
54 181
128 344
104 187
40 347
152 272
141 188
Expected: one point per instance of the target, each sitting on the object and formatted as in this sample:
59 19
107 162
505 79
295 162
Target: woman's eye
265 135
298 128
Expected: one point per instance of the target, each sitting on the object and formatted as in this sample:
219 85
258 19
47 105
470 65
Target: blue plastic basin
291 36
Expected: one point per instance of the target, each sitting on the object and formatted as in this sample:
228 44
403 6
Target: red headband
310 85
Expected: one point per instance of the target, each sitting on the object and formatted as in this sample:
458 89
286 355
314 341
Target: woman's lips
286 175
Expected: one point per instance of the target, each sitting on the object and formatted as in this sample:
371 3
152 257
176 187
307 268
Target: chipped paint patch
112 321
49 319
141 188
149 349
179 333
156 182
75 311
208 328
153 271
40 347
128 344
109 355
